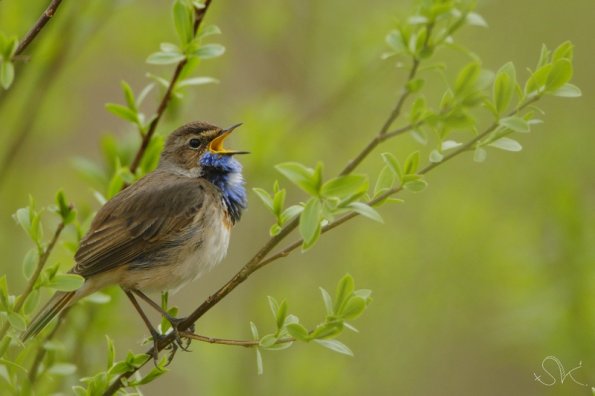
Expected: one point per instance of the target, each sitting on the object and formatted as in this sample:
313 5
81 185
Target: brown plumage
162 231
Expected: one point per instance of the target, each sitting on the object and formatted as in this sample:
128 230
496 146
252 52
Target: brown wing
141 218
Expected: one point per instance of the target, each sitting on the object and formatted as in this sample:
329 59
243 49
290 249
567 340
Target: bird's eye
194 143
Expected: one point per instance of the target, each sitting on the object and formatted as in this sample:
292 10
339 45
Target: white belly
191 262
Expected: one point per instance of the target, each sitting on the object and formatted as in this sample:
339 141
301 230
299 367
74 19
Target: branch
405 92
258 259
224 341
41 22
40 264
199 16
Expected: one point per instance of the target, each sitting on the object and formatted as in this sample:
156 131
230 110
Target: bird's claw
173 346
175 323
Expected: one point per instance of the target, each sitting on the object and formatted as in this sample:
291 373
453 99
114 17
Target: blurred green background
475 281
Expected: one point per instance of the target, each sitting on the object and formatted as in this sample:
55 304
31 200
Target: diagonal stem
199 17
39 24
40 264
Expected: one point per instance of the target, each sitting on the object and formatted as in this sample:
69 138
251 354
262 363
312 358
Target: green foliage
348 304
456 113
8 47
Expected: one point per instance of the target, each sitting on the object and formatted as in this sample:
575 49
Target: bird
163 231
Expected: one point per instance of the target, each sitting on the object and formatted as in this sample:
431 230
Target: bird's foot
175 323
157 339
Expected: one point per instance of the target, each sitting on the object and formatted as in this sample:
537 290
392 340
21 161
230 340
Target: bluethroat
164 230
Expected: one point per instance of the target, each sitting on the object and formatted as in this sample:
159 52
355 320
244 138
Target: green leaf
436 156
544 56
290 212
393 163
254 331
506 144
354 307
183 20
450 144
504 86
23 218
209 31
155 372
62 369
143 94
345 289
259 366
30 262
300 175
6 73
169 47
273 305
98 298
336 346
411 163
64 209
31 302
416 185
165 58
559 75
366 211
515 123
386 180
310 222
415 85
328 302
209 51
564 51
111 351
474 19
128 95
345 186
66 282
123 112
267 340
536 83
281 314
197 81
480 154
395 41
327 330
17 321
568 91
298 332
4 344
265 197
467 78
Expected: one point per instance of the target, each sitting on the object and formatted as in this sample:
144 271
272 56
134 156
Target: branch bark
199 17
40 264
39 24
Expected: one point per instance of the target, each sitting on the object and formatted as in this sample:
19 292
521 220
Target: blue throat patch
225 172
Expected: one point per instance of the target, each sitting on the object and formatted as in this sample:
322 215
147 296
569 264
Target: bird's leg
175 322
154 333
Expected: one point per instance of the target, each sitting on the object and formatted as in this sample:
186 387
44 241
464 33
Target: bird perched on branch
164 230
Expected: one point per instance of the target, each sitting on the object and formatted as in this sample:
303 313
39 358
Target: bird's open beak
216 145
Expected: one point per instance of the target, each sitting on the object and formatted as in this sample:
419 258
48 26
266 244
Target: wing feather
142 218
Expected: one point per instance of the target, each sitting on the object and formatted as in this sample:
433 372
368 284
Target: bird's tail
57 303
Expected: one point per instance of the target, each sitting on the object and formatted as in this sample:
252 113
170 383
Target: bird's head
197 145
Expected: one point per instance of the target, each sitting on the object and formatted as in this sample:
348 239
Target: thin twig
40 264
255 262
225 341
199 16
41 22
395 113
